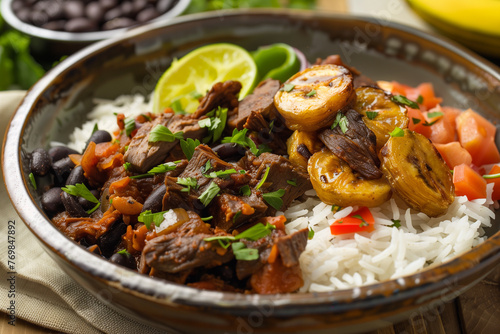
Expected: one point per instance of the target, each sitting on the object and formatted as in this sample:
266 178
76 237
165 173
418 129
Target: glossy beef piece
291 246
281 170
173 253
144 155
176 197
231 211
222 94
196 169
260 102
357 146
359 80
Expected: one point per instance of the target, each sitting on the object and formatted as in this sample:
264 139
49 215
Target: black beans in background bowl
62 27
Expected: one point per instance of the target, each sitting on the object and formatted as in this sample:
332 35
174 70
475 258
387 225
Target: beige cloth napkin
45 295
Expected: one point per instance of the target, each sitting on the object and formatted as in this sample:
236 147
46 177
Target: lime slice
190 77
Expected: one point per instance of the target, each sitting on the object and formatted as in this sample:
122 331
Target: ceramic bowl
61 43
132 63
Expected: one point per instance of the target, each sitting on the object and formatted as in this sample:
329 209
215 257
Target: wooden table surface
477 311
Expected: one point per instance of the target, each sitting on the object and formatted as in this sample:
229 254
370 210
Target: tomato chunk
496 188
468 182
358 221
454 154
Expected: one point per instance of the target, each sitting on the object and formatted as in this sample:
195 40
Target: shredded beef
222 94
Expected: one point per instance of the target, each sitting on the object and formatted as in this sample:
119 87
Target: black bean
107 4
80 24
40 162
154 202
163 5
54 10
24 15
121 22
125 260
59 152
94 11
100 136
147 14
128 9
87 205
73 9
229 150
39 18
76 176
17 6
72 206
52 202
62 168
113 14
139 5
109 240
54 25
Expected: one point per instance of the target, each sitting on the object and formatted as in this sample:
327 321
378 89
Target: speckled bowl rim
76 37
426 284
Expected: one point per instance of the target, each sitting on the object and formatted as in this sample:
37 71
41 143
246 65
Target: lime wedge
190 77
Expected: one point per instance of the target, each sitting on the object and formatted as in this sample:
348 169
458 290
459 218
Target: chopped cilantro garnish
274 198
310 235
341 121
420 99
188 147
147 217
209 194
221 173
124 251
292 182
245 190
162 133
162 168
371 114
215 124
397 132
396 223
311 93
416 120
240 138
401 99
177 107
129 126
287 87
263 180
434 114
126 166
188 182
32 179
242 253
81 190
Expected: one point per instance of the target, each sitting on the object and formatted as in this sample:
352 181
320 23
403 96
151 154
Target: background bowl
60 43
132 64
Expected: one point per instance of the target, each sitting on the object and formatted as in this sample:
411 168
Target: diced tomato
496 188
417 121
358 221
454 154
477 135
442 131
468 182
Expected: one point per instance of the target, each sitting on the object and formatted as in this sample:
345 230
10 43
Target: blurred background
37 34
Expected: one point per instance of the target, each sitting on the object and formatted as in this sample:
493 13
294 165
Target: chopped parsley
162 168
32 179
401 99
263 180
215 124
310 235
221 173
395 223
363 222
81 190
311 93
242 253
287 87
416 120
254 233
341 121
126 166
241 138
397 132
245 190
420 99
188 147
162 133
274 198
335 208
96 128
129 126
187 182
292 182
124 251
147 217
371 114
205 168
209 194
177 107
434 114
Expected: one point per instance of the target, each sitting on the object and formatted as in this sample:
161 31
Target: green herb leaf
221 173
401 99
310 235
256 232
245 190
80 190
420 99
126 166
435 114
489 176
129 126
311 93
147 217
396 223
236 216
244 254
163 168
209 194
363 222
292 182
124 251
188 147
416 120
196 95
177 106
205 168
263 180
207 218
188 182
240 138
397 132
274 198
215 125
271 126
96 128
342 121
335 208
32 179
287 87
162 133
224 240
371 114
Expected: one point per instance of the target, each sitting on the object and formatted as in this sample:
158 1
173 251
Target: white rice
349 261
